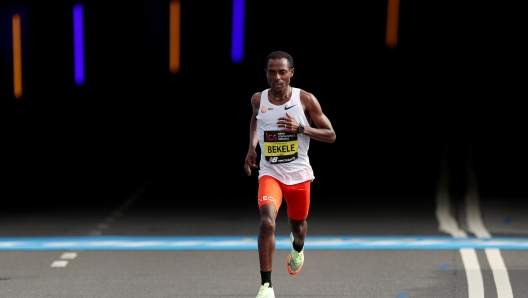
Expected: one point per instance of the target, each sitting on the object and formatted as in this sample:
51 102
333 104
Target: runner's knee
297 226
267 225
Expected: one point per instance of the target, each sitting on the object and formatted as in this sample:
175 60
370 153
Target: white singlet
283 155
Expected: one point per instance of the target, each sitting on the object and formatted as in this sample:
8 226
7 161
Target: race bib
280 147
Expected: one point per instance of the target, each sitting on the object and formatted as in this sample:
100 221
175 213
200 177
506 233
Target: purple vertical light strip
78 43
237 31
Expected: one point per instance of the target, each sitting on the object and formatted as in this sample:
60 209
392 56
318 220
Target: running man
281 125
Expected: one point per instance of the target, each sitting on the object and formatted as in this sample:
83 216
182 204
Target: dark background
455 81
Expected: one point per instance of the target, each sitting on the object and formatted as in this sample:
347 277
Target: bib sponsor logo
271 136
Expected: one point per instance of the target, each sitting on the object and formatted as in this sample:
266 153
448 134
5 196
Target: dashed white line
118 212
59 263
69 255
63 263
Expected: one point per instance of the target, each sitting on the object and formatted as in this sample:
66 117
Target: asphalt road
391 245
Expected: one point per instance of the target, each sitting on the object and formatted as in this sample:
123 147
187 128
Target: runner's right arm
251 157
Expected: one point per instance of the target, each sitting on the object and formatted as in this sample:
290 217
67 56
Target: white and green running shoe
295 260
265 291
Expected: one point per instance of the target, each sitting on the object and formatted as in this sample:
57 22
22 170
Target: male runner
281 125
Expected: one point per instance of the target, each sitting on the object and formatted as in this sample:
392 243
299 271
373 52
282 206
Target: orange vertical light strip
17 56
391 34
174 36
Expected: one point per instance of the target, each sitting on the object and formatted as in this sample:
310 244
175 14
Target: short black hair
279 55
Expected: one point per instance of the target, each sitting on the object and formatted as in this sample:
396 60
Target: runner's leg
269 200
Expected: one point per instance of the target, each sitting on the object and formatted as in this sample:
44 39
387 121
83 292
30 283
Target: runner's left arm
323 131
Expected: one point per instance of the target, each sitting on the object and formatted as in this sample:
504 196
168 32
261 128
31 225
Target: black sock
265 276
297 248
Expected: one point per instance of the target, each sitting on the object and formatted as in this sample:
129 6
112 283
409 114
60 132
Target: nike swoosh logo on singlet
286 108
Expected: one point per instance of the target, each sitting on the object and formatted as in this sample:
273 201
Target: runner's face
279 75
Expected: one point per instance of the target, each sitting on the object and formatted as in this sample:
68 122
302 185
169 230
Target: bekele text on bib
280 147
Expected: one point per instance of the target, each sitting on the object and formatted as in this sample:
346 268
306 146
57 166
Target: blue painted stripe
250 243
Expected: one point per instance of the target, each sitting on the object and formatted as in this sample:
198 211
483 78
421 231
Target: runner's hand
288 124
251 161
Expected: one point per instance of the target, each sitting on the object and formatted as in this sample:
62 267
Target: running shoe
295 260
265 291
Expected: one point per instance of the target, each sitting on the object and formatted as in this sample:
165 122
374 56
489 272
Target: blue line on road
250 243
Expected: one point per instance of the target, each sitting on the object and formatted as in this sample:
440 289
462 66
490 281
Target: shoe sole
288 266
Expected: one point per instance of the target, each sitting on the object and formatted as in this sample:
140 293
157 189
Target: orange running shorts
297 196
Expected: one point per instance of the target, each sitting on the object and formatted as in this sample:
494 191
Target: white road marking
69 255
500 273
476 226
447 223
473 216
473 274
59 263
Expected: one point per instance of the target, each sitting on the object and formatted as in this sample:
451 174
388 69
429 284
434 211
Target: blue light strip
250 243
237 31
78 43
